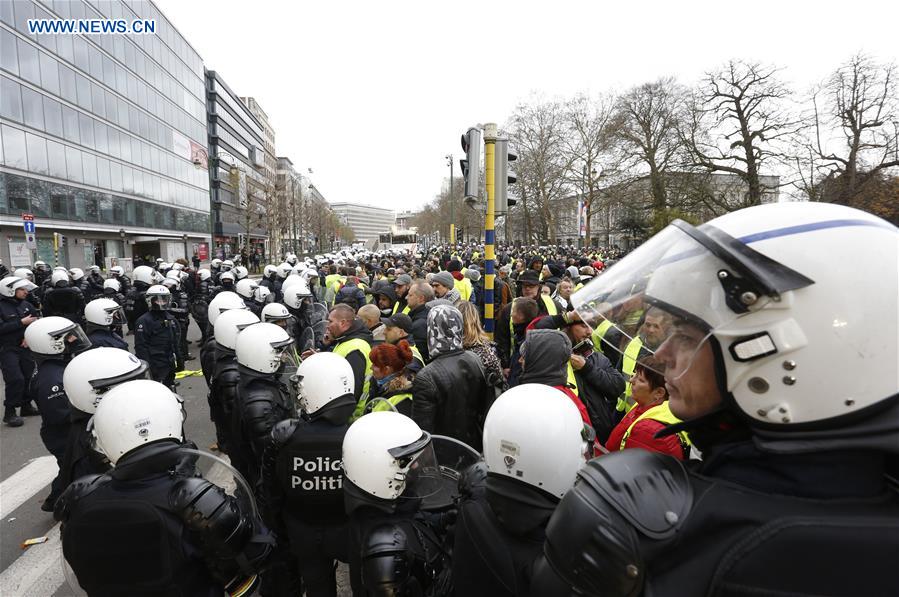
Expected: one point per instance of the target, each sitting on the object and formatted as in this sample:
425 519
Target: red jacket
643 435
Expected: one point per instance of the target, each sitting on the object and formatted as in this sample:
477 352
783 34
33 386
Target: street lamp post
449 159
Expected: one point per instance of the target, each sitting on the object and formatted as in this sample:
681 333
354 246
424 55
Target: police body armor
221 398
639 523
145 530
262 402
65 302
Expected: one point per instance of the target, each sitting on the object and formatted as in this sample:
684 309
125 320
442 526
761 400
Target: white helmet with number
113 284
104 311
767 299
283 270
534 434
55 336
10 284
245 288
143 273
24 273
230 324
293 296
324 377
261 347
223 301
379 450
134 414
94 372
273 312
158 298
240 272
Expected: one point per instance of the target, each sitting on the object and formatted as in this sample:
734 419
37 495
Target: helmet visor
669 296
73 339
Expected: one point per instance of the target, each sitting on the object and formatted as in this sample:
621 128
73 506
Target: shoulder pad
385 563
282 431
651 491
81 487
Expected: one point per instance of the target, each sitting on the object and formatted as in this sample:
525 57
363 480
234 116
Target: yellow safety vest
628 366
344 349
599 333
381 403
417 356
572 380
661 413
396 306
464 288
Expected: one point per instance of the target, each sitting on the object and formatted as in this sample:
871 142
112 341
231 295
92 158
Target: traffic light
471 165
504 175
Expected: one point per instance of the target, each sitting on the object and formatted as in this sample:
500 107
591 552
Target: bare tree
855 131
537 130
739 119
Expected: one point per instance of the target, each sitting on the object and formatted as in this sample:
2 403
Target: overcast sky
373 94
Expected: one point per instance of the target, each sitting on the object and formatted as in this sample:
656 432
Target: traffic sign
29 226
30 241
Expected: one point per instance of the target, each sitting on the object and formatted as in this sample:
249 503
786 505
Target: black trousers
17 367
55 437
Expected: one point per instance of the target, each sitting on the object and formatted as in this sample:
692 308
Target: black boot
11 418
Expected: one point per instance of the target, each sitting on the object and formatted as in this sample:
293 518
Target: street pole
489 232
452 201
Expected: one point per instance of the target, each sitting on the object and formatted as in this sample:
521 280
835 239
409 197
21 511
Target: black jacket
12 311
103 337
50 395
157 339
65 302
419 317
262 402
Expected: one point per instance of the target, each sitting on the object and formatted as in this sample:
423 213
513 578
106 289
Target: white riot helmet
143 273
59 276
227 265
223 301
104 312
175 276
274 313
245 288
158 298
262 295
269 270
55 336
283 270
204 274
324 377
766 300
116 271
94 372
113 284
94 269
24 273
177 266
76 273
293 296
134 414
163 267
41 265
215 263
226 276
379 450
299 268
10 284
158 277
291 259
240 272
230 324
263 347
534 434
290 281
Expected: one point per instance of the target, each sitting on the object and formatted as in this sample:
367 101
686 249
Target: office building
366 221
103 139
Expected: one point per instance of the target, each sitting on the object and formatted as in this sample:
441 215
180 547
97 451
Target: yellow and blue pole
489 232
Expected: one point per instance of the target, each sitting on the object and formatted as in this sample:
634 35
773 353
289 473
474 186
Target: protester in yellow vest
651 334
349 338
391 383
461 283
649 415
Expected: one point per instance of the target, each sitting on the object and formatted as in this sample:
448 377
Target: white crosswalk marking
38 571
19 487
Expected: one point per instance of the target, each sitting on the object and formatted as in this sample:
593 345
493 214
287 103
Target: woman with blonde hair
474 339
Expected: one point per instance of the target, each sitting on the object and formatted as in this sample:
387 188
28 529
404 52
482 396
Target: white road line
20 486
38 571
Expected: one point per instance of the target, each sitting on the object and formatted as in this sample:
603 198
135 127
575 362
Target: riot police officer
223 389
53 341
93 283
533 447
102 316
157 337
16 314
263 400
145 529
271 280
245 288
87 377
302 484
780 363
117 273
135 305
298 300
222 302
180 310
63 298
394 549
200 302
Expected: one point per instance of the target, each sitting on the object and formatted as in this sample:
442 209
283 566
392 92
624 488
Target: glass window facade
105 112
